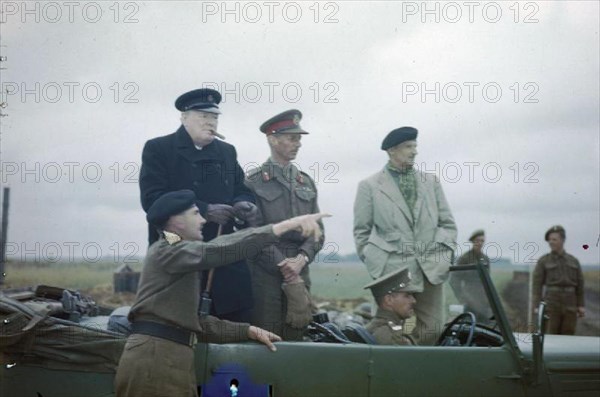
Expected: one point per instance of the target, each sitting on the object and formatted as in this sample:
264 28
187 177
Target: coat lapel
389 187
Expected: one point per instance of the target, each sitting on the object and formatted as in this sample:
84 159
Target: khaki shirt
556 272
388 329
169 289
283 193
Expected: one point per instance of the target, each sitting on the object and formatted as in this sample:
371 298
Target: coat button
194 165
195 183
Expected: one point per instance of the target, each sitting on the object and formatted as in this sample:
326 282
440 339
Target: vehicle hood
566 353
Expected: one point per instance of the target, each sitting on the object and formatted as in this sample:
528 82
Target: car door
443 371
295 369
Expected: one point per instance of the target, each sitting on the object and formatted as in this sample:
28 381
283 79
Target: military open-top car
62 351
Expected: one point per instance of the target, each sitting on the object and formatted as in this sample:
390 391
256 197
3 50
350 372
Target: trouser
152 366
562 323
430 314
561 308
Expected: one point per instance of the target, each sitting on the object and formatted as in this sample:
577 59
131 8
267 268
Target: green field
339 281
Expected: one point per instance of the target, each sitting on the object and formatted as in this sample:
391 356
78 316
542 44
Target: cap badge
296 120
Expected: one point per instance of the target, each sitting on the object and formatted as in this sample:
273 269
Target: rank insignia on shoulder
394 327
300 179
266 177
171 238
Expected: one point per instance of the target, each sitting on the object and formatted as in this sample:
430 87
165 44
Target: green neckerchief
407 183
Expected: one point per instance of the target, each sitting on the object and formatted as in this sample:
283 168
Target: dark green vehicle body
524 365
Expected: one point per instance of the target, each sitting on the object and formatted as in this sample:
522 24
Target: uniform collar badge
171 238
299 179
394 327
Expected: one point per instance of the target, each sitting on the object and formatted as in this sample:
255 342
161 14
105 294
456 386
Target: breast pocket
552 273
306 197
572 272
272 202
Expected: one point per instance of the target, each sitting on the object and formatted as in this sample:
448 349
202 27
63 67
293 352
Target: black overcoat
172 162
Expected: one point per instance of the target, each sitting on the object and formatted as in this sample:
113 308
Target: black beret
204 99
287 122
398 136
556 229
397 281
170 204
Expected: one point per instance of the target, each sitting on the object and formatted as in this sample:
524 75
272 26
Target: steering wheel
450 337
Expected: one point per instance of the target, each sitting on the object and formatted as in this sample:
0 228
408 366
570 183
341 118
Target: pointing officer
158 358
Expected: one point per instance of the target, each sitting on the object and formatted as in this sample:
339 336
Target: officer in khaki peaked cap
393 294
280 277
559 273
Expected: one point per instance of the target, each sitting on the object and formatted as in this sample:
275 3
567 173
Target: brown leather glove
298 304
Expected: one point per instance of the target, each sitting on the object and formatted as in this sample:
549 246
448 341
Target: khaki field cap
398 281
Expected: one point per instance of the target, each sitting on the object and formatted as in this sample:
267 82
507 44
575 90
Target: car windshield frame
502 322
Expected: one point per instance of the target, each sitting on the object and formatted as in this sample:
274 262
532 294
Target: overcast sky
505 96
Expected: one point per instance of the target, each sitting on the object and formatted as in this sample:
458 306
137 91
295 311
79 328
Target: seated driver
395 303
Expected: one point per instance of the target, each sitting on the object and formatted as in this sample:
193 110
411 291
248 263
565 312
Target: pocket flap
268 193
382 243
305 194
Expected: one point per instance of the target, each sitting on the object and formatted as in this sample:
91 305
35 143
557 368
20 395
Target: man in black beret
559 273
402 221
158 358
192 158
394 295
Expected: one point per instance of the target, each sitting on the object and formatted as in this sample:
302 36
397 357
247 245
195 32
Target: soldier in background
561 275
395 303
467 285
280 275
